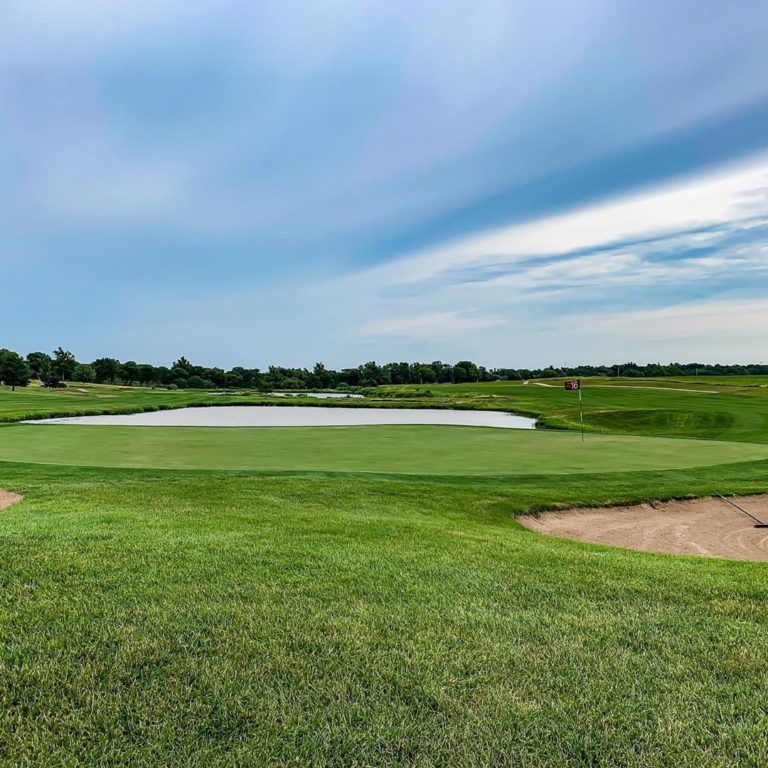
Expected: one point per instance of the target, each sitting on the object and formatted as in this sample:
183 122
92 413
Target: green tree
217 377
320 376
107 370
40 364
467 370
234 378
182 367
424 374
147 374
14 370
63 364
129 372
85 373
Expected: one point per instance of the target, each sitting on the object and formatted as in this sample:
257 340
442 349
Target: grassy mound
705 424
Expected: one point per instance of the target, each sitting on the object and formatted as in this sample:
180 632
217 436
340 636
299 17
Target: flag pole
581 413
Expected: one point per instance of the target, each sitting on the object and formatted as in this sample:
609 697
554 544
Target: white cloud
437 325
716 330
727 196
704 321
514 290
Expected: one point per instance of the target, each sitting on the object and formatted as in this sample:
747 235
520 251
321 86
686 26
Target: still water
297 416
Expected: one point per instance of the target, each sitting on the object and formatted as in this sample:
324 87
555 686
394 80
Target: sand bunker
699 527
7 498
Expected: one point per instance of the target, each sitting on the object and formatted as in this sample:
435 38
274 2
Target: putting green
423 450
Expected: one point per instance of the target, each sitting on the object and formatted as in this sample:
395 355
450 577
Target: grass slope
422 450
214 620
643 407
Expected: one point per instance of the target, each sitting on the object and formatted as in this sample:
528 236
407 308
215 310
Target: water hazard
297 416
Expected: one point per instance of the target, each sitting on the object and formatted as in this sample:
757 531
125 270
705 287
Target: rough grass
713 410
705 424
200 619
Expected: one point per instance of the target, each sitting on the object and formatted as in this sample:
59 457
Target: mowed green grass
714 408
689 408
364 596
214 620
420 450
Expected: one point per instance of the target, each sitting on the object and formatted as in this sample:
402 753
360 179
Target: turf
712 410
333 617
421 450
213 620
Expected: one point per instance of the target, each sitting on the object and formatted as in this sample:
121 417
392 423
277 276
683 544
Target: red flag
573 385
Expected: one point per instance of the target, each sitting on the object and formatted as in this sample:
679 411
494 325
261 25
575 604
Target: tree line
61 366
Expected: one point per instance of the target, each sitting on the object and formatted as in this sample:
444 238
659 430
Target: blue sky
519 183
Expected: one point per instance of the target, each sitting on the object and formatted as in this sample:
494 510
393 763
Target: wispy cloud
436 326
669 252
338 182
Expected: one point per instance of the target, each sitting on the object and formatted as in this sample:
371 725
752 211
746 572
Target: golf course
364 595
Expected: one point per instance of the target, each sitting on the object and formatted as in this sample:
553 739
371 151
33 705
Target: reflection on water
318 395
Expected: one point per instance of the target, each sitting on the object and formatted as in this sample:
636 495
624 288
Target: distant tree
216 377
425 374
182 366
255 377
472 371
14 370
84 373
129 372
234 379
163 374
196 382
107 369
52 380
460 374
63 364
179 372
320 376
371 372
40 364
147 374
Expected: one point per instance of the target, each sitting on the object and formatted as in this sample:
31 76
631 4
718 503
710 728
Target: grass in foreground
215 620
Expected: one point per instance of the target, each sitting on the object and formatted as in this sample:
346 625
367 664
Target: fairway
419 450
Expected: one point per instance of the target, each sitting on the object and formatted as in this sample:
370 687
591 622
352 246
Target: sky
520 183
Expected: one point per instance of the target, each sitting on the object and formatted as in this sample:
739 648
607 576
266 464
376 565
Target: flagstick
581 413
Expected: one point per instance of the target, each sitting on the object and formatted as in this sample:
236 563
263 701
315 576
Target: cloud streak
671 252
360 180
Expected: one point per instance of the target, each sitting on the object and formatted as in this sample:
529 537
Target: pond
318 395
297 416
